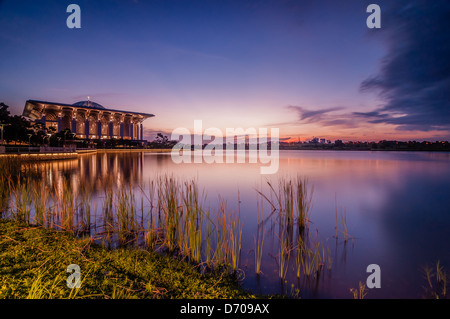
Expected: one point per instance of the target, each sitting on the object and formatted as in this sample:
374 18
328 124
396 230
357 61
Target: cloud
414 75
323 117
312 115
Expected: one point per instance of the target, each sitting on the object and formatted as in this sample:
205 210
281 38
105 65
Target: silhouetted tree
161 141
19 129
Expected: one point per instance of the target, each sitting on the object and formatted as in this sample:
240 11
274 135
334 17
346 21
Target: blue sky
296 65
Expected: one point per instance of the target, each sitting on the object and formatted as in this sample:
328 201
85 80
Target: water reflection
93 172
396 206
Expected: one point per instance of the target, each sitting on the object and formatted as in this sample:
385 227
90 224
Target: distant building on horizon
87 119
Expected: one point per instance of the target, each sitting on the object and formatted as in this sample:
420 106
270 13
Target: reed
4 193
235 237
40 194
64 200
283 256
329 260
344 226
219 252
126 214
182 231
360 292
14 171
208 240
84 211
336 215
293 200
21 201
437 281
308 262
194 220
150 236
13 167
303 201
288 201
343 219
107 210
188 229
300 255
317 259
169 203
259 238
441 279
312 257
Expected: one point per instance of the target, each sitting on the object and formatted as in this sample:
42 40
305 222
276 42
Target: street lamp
29 142
43 138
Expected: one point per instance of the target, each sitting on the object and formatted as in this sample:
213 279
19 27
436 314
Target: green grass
33 263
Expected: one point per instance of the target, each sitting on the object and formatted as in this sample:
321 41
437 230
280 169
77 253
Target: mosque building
87 119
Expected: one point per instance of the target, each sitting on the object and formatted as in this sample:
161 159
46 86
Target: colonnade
86 123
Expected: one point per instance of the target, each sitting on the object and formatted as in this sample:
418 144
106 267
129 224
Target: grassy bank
34 261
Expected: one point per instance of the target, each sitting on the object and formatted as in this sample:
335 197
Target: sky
309 68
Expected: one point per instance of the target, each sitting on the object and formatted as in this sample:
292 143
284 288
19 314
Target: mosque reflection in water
93 172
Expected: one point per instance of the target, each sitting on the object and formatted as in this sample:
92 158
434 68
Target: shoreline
73 155
143 150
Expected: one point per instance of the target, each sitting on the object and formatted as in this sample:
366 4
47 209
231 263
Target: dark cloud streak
414 78
323 116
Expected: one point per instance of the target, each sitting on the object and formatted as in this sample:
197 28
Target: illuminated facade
87 119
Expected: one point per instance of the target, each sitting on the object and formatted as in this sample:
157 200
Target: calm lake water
396 204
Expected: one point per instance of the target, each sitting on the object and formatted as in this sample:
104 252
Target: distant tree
19 129
58 139
4 113
161 141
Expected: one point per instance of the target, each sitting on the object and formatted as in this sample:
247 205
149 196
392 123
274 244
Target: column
142 132
131 130
59 123
99 129
121 129
111 127
86 128
44 123
74 124
137 131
